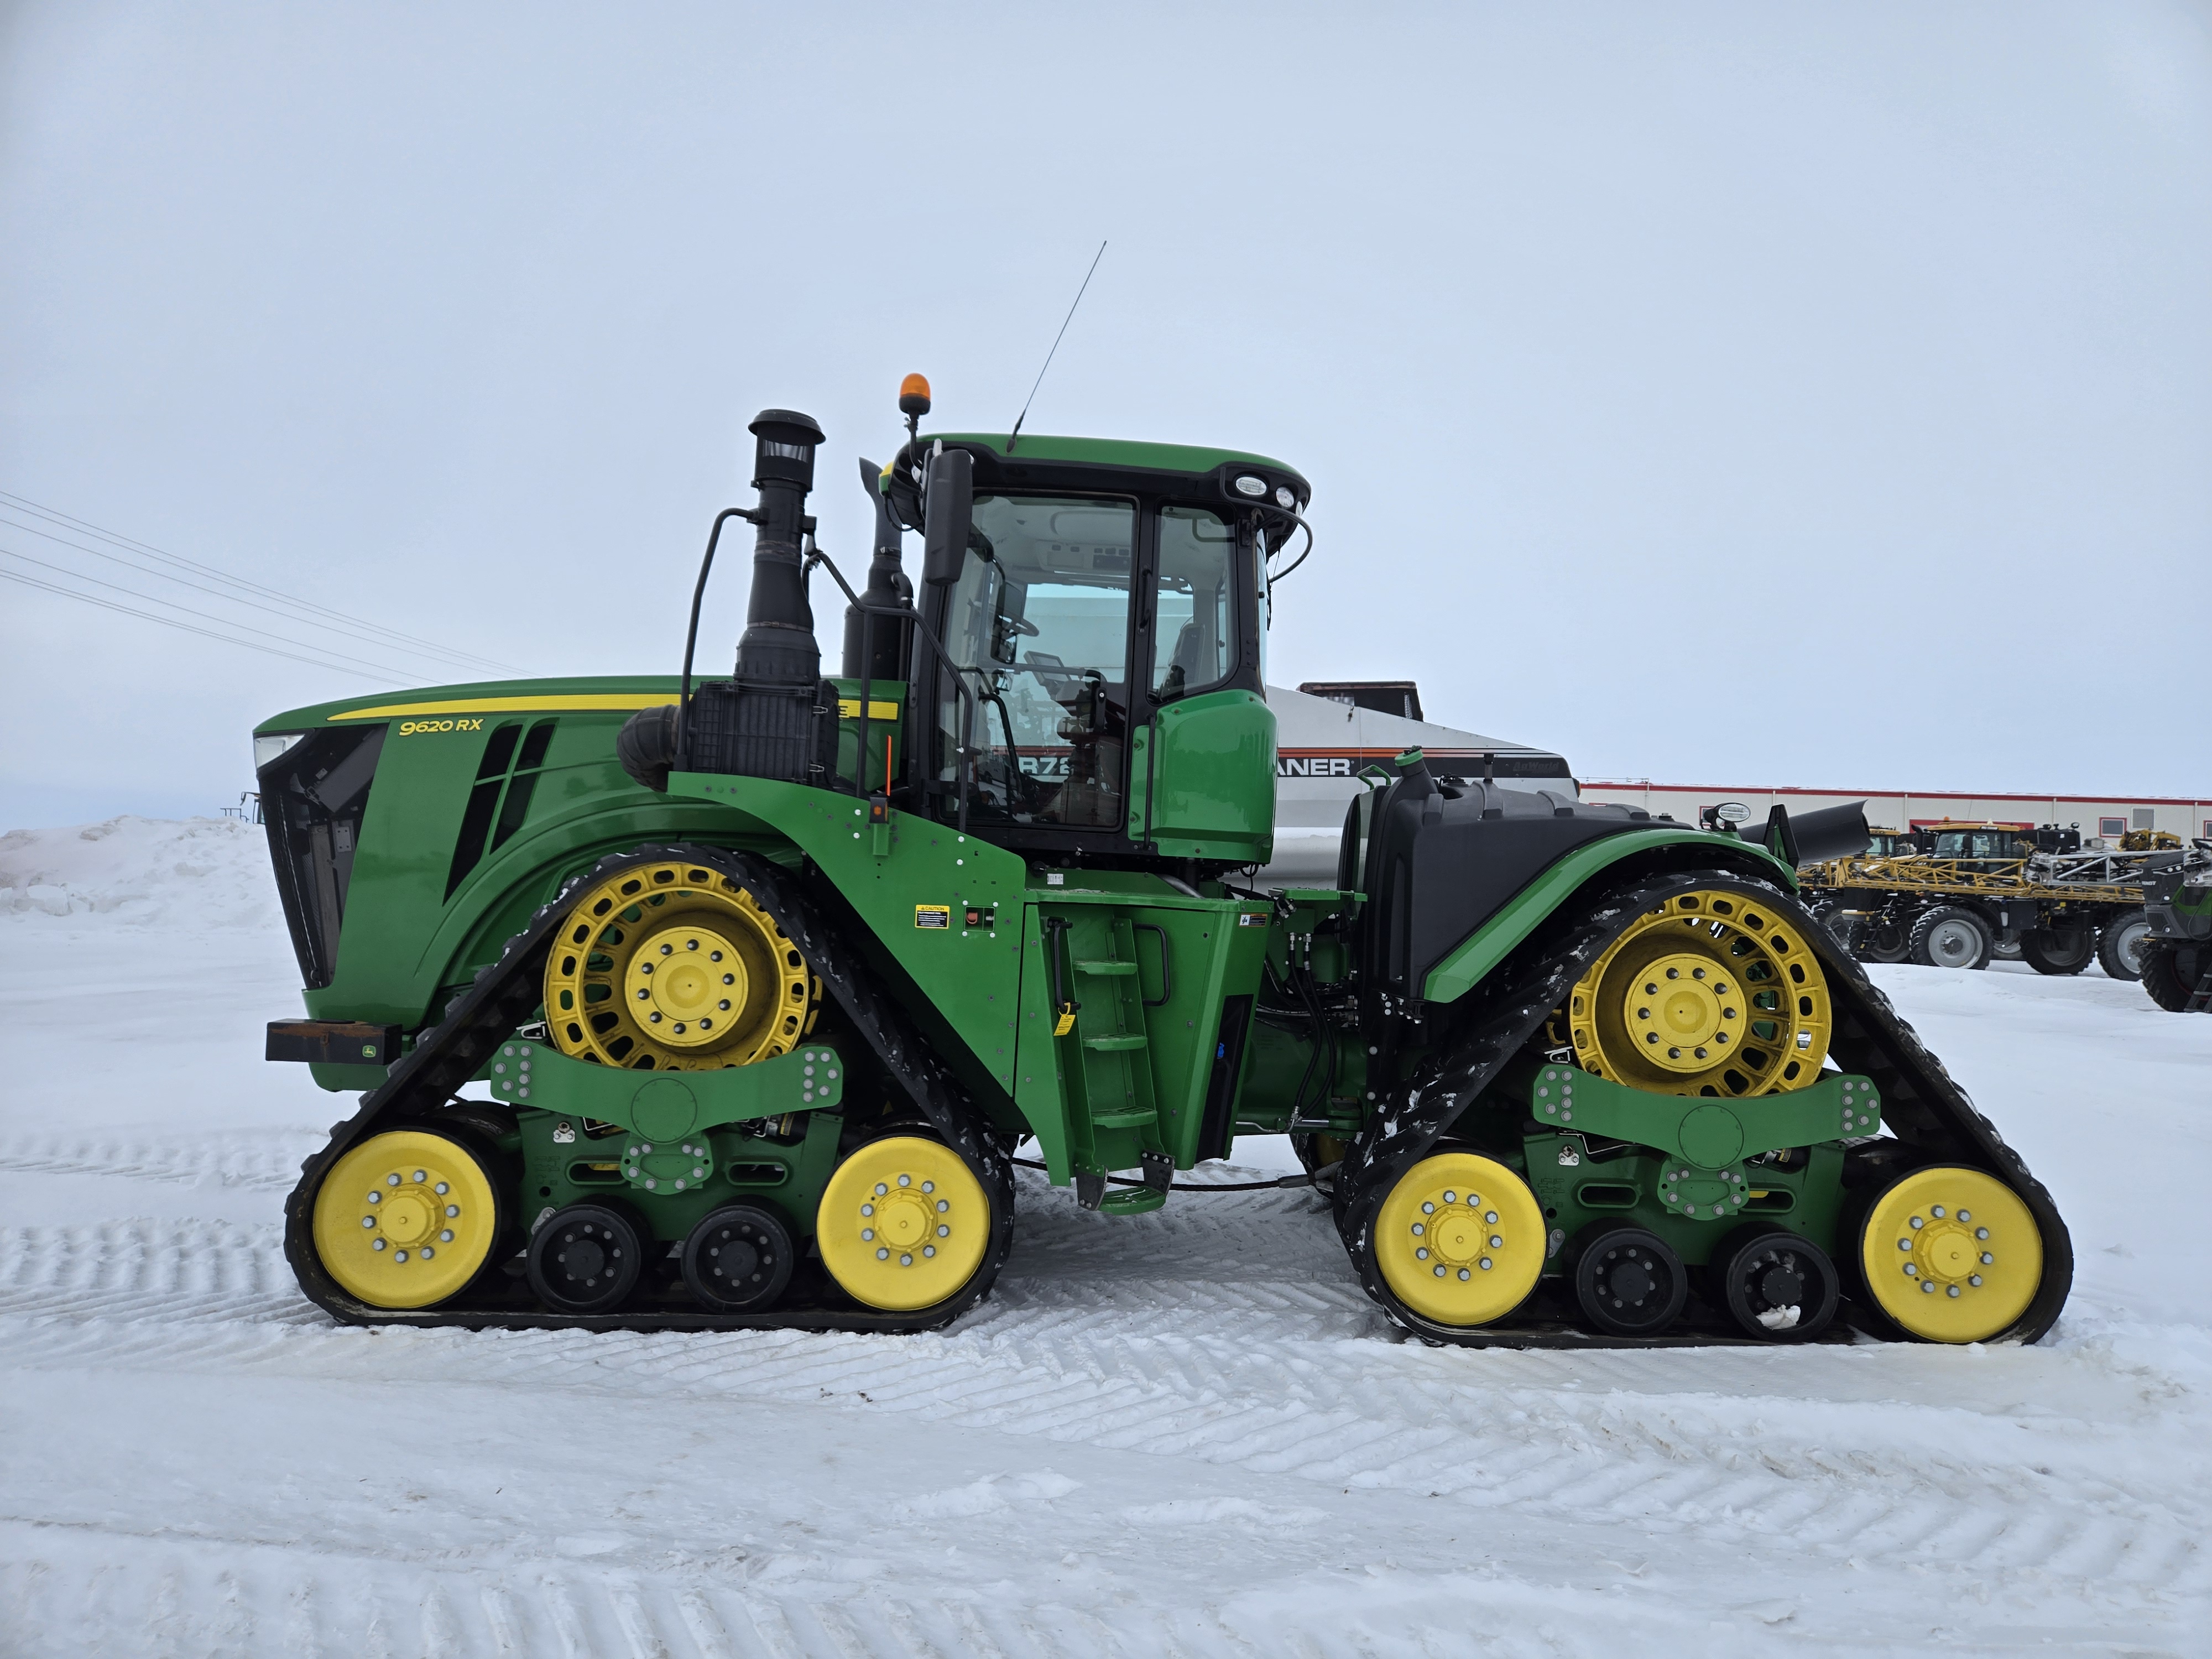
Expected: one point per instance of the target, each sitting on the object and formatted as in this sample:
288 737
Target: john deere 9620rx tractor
758 980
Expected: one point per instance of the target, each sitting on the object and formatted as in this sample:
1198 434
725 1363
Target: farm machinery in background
2176 957
1960 895
733 1002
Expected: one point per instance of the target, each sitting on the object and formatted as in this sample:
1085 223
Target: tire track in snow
236 1596
264 1159
1219 1370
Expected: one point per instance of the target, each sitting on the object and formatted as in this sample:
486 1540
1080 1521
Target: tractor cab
1088 687
1889 844
1986 845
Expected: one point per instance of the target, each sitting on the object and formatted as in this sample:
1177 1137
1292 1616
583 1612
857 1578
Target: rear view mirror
948 515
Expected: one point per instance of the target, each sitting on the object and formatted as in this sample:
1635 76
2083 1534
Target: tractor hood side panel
914 898
472 822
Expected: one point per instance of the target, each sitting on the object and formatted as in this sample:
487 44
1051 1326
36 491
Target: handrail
691 633
907 613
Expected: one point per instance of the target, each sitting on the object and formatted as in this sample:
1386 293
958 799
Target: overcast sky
1720 394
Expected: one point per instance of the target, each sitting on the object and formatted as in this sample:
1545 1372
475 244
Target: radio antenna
1065 321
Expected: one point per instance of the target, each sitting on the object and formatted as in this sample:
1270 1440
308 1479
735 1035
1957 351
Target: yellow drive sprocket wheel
1460 1239
1708 993
902 1224
405 1220
675 967
1951 1255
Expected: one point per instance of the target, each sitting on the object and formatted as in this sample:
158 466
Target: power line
221 621
54 515
170 622
197 587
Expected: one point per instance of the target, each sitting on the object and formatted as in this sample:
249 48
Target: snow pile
201 872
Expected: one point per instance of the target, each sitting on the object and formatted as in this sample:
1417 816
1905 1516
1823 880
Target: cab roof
1047 453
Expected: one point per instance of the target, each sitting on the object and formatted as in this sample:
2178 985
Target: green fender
1471 962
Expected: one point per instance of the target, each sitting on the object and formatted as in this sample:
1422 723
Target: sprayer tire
2056 953
2169 972
2119 947
1951 936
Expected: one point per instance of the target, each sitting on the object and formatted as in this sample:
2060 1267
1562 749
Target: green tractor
760 982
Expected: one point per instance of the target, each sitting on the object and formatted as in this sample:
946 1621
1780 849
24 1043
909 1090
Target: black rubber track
505 995
1922 1105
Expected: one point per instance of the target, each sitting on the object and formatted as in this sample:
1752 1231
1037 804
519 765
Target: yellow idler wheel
1460 1239
405 1220
675 967
1951 1255
903 1225
1709 993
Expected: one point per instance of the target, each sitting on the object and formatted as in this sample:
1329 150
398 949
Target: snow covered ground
1186 1432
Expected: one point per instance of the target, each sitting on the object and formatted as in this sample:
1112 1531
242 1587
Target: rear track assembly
1931 1115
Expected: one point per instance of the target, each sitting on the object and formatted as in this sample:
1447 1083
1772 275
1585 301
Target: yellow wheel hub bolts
902 1224
1460 1239
405 1220
685 982
1951 1255
674 967
1709 993
1684 1009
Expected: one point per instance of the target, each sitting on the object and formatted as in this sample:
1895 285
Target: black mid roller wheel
1628 1281
1777 1286
737 1260
586 1259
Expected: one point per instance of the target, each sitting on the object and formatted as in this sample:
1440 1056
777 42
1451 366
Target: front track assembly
420 1094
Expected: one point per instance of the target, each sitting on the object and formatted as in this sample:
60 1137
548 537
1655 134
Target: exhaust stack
777 651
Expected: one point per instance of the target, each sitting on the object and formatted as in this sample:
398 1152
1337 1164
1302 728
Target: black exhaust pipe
879 653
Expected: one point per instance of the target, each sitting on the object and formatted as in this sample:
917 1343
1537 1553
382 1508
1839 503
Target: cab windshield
1977 844
1038 627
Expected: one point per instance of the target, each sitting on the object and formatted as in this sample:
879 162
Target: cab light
1249 485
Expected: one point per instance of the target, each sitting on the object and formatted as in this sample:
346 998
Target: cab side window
1194 638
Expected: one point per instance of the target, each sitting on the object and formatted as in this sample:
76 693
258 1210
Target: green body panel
1131 1075
783 1164
665 1105
1707 1134
970 975
1620 1188
677 1154
1470 964
1202 778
